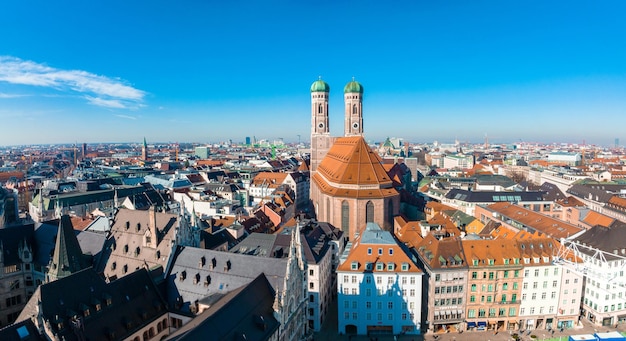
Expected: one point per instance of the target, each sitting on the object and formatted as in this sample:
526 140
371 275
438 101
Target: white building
379 286
550 293
604 263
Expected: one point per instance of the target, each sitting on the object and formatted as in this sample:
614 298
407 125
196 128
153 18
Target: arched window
354 109
369 212
345 217
320 109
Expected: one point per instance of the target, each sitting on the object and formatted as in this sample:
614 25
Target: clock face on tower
321 125
355 125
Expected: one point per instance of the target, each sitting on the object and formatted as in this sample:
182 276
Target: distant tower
144 150
84 151
353 98
320 131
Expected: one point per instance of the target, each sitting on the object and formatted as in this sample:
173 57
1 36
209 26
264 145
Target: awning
482 324
460 311
530 322
437 313
471 324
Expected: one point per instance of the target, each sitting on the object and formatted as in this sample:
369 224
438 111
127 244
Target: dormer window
536 260
369 266
515 260
354 265
526 260
379 266
506 261
196 280
183 275
491 261
405 267
390 266
546 259
475 262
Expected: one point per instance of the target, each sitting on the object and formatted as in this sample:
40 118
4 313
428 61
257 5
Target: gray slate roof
608 239
68 257
125 305
193 275
494 196
243 314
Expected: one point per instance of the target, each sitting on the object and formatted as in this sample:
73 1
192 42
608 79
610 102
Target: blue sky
208 71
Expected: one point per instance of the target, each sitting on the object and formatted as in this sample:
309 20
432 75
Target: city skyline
208 71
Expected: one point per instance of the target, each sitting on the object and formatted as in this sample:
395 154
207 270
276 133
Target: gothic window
345 216
354 111
369 212
320 109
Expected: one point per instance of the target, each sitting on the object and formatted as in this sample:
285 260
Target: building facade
379 289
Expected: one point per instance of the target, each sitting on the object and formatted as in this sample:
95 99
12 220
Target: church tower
144 150
320 131
353 98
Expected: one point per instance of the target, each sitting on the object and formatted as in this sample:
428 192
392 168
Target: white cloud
109 103
98 90
126 117
5 95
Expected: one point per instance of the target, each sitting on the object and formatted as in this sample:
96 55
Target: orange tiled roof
361 256
410 234
594 218
352 169
553 227
617 201
444 253
351 161
80 223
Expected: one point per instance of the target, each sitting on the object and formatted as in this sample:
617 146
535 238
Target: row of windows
494 275
532 310
492 287
448 301
546 272
471 313
490 298
379 292
379 316
380 251
606 307
449 289
379 279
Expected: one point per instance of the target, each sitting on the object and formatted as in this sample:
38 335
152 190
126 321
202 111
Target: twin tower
321 140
